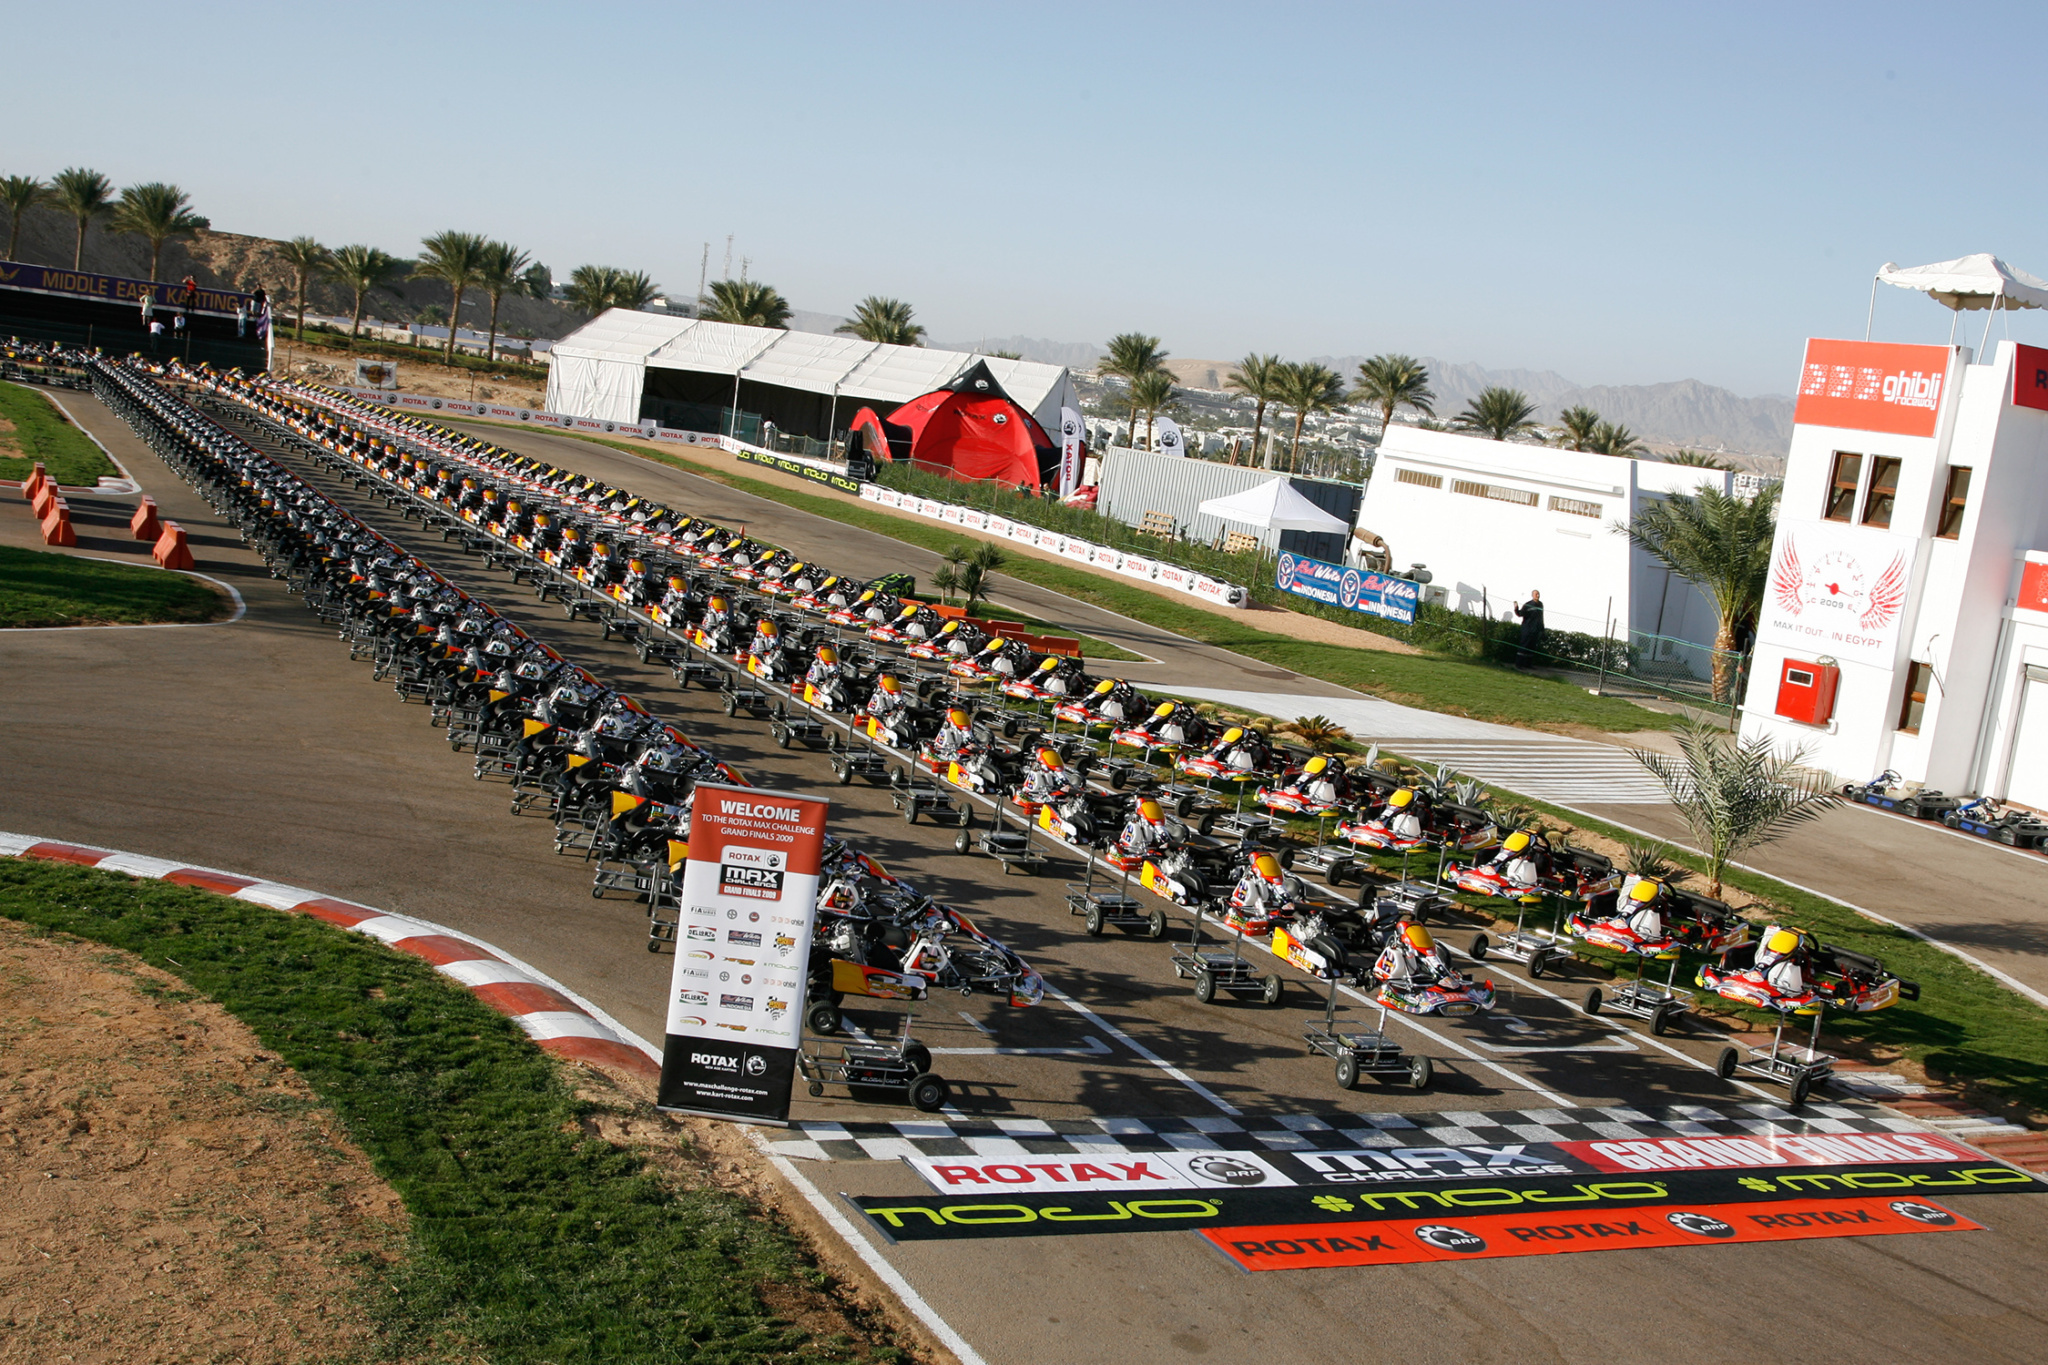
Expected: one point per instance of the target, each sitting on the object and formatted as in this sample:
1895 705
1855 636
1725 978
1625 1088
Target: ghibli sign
1872 386
1839 592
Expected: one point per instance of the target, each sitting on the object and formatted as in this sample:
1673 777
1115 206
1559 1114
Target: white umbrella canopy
1970 282
1276 506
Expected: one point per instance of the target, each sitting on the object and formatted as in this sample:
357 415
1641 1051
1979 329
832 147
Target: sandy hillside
426 374
175 1193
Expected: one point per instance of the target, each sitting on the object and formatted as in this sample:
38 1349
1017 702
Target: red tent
968 430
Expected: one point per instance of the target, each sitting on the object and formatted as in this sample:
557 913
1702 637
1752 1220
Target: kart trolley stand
1796 1068
1213 971
1662 1003
914 797
1009 847
1534 949
790 725
1363 1051
1100 909
903 1065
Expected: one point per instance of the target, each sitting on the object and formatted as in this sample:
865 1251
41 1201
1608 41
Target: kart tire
823 1018
1207 825
1272 990
1347 1071
1951 819
1539 964
1910 808
917 1056
1091 920
1420 1072
1117 777
814 1089
1662 1018
1478 949
1797 1093
1155 924
1592 1001
1725 1061
2009 837
928 1094
1205 987
963 842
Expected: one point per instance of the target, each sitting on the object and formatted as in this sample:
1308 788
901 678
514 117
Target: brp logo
1444 1237
1699 1224
1923 1213
1227 1170
757 1066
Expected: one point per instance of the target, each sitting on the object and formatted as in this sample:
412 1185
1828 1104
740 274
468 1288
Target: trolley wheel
1801 1085
844 772
928 1094
963 841
653 945
1661 1019
1593 999
782 737
1186 804
966 818
1117 778
1420 1072
1091 920
910 810
1347 1071
1478 949
918 1056
1539 963
1272 988
597 893
823 1018
1205 986
1009 727
1335 876
815 1089
1207 824
1286 858
1155 924
1724 1063
732 706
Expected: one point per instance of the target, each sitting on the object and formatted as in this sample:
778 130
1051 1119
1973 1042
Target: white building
1905 625
1494 519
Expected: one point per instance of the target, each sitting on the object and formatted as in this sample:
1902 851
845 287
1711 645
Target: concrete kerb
555 1017
241 607
124 486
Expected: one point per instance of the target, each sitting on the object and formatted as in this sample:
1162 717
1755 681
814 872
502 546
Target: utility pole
703 271
728 255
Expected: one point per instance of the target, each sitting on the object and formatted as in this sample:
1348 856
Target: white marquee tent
600 370
1274 506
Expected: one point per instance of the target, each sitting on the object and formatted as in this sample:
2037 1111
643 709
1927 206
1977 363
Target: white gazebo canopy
1976 281
1274 506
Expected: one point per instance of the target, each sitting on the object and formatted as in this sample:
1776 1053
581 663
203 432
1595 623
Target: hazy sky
1623 194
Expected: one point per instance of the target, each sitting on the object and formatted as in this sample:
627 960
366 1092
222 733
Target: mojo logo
1444 1237
717 1061
1226 1169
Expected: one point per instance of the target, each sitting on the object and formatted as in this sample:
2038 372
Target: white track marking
1145 1052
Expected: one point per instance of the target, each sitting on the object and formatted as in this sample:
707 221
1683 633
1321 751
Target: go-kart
1692 923
1574 874
1449 994
1833 978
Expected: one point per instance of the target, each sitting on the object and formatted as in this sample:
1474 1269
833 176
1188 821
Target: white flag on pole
1167 441
1073 437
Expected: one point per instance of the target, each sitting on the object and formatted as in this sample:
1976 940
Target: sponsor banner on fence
743 941
816 473
1536 1183
1335 585
377 374
1407 1241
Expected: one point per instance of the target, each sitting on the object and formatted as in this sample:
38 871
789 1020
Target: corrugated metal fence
1135 482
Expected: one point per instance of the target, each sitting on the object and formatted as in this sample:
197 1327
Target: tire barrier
556 1021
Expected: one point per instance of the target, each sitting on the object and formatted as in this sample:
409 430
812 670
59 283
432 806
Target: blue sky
1624 194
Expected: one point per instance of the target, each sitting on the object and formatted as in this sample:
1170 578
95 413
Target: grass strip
43 588
32 429
530 1241
1478 690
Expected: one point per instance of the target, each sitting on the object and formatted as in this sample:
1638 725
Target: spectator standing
148 306
1531 642
156 334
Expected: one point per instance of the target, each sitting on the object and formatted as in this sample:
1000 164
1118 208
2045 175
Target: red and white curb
554 1017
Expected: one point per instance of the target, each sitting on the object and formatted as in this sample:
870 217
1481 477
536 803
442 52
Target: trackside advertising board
1375 594
743 946
1872 386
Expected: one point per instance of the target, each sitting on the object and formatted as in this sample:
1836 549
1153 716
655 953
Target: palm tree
1258 377
1308 387
19 194
499 272
1150 392
537 282
1393 381
747 303
1498 412
156 212
308 259
1720 543
633 289
457 260
1611 438
362 269
885 320
1577 427
1736 794
1132 356
592 287
1698 459
85 195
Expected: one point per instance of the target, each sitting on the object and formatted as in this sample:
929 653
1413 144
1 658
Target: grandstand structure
104 312
694 375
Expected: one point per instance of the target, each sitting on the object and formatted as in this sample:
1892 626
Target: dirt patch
307 360
176 1194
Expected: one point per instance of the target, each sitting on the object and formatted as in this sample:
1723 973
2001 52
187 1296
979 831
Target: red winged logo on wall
1837 582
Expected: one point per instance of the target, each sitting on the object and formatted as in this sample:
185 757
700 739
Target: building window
1955 495
1915 703
1521 497
1842 489
1417 477
1884 491
1575 506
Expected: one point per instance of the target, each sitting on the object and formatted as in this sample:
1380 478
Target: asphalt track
258 746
